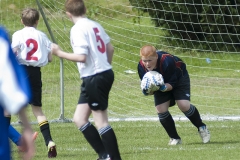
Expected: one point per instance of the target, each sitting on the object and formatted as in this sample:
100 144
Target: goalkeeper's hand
145 84
163 88
151 90
158 80
147 87
145 92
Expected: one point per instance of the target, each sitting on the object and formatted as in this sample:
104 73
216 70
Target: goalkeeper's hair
147 51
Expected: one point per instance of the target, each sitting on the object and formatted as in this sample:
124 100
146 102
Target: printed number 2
33 50
101 47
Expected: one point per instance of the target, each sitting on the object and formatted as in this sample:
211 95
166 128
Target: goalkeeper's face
149 62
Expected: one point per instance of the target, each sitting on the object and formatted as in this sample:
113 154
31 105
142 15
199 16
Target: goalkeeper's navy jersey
171 67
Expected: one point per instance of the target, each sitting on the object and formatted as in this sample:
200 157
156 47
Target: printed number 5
33 50
101 47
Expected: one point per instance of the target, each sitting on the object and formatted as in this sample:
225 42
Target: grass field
215 90
147 140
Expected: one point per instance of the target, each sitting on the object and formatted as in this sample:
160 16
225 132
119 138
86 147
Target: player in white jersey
14 95
94 47
33 51
32 47
93 53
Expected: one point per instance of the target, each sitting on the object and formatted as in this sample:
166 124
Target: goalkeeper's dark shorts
181 91
95 90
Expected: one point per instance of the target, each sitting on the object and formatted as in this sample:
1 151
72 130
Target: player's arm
170 77
50 57
110 51
141 70
69 56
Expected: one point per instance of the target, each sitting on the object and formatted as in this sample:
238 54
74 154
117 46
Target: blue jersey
171 67
14 90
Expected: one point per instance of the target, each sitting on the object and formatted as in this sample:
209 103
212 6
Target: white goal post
215 75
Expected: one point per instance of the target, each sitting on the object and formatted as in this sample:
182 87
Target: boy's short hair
75 7
30 16
147 51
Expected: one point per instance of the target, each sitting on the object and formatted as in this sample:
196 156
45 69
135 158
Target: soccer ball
151 82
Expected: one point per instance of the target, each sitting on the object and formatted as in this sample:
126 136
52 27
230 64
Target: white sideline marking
169 148
155 118
182 147
178 118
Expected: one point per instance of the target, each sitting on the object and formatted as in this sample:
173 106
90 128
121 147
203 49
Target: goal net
215 73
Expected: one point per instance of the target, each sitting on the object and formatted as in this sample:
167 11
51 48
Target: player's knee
79 122
163 116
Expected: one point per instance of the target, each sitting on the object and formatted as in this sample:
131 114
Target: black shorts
35 79
95 90
181 91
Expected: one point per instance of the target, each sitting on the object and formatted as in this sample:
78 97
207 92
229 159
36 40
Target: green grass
147 140
215 89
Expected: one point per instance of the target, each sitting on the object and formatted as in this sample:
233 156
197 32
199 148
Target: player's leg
191 112
8 119
107 133
168 123
4 143
81 120
14 135
182 96
35 79
45 130
98 102
162 102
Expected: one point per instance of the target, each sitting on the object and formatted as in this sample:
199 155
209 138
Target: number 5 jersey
89 38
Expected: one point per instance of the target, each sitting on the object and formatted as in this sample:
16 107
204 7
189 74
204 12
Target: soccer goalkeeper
175 89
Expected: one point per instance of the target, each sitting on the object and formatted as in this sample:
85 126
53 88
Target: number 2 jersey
32 45
89 38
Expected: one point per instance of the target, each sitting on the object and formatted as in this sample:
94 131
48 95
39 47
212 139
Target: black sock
110 142
193 115
8 118
92 136
168 124
44 127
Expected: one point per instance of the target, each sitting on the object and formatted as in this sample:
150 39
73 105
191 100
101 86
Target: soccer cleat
174 142
204 134
52 152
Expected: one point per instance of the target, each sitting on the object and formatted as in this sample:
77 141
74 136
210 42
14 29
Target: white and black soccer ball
151 82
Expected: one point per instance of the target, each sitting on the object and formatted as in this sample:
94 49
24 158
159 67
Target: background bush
208 24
